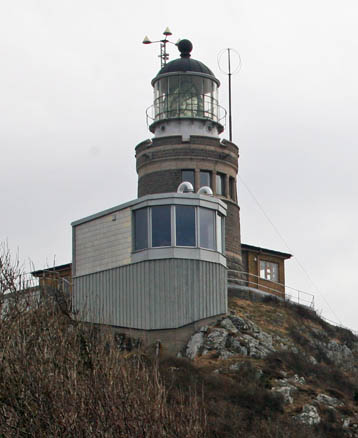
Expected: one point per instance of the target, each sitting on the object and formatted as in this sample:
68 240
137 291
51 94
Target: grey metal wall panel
155 294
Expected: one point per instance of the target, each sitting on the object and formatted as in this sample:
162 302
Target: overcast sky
75 84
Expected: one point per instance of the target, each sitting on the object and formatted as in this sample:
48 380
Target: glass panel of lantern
173 97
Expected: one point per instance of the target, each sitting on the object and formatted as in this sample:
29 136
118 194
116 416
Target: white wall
103 243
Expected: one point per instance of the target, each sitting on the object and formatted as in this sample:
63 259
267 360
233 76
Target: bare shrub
11 270
60 378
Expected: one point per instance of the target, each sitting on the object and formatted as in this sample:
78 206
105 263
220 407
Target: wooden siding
103 243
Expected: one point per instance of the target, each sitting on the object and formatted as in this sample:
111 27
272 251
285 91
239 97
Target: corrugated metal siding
155 294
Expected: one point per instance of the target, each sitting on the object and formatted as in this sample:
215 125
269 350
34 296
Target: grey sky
74 86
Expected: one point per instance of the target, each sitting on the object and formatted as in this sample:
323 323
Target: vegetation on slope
313 360
60 378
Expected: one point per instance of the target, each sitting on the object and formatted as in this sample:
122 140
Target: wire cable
288 247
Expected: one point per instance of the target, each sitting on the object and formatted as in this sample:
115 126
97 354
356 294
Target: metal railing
285 292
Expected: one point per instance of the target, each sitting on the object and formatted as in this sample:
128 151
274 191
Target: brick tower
186 121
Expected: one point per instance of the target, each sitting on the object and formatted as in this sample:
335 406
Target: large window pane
185 225
140 229
207 233
161 235
219 235
205 178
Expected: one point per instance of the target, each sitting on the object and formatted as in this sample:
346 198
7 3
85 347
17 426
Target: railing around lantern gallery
193 107
255 282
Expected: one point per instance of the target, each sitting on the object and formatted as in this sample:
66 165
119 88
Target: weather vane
164 56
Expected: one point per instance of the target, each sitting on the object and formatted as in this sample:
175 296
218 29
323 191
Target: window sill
180 253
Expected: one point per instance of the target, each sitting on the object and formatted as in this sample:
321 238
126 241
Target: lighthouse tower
186 120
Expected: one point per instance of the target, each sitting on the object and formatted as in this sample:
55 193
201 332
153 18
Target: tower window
188 175
220 184
269 270
161 228
205 178
140 229
232 188
185 225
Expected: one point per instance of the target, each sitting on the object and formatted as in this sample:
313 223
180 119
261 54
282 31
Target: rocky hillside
266 370
274 369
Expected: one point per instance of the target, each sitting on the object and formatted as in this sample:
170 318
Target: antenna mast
229 72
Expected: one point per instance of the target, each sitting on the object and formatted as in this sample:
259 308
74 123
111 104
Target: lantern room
185 96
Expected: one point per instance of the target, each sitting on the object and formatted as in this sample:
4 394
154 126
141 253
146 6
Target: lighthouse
156 267
187 120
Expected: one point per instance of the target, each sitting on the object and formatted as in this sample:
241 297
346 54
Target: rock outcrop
309 415
273 355
231 336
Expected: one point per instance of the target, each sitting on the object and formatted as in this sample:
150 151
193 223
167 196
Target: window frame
151 230
222 178
173 229
147 230
175 243
188 170
268 266
210 173
213 227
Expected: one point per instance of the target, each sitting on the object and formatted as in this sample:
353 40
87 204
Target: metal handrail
300 297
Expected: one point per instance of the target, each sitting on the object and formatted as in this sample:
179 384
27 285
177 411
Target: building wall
55 277
171 340
255 281
103 243
233 238
152 295
153 182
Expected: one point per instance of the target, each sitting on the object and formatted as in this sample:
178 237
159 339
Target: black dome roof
185 63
